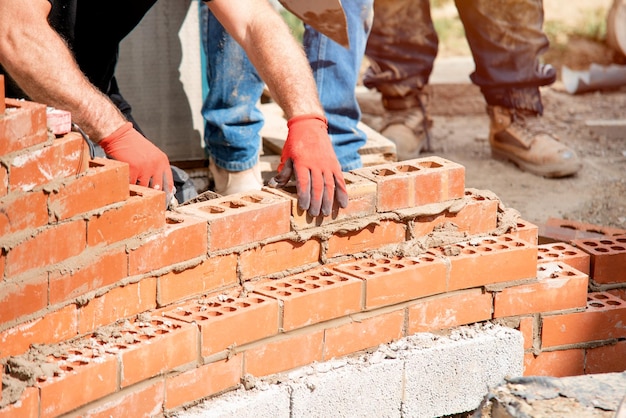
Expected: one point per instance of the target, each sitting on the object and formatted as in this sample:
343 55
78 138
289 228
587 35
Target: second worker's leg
401 50
506 38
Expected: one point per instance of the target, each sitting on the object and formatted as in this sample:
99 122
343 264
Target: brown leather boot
407 124
518 136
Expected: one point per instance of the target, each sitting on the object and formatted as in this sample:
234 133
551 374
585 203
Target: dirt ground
597 194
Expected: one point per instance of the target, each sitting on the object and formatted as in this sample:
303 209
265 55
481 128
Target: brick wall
146 311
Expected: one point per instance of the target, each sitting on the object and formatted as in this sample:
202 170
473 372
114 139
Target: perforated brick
229 319
314 296
608 258
398 279
567 253
415 182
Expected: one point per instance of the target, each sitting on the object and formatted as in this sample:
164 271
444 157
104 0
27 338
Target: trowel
325 16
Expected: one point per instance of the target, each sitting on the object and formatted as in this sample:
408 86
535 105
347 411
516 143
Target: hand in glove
308 154
149 166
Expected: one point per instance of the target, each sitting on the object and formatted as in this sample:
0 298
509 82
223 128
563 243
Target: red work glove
149 166
308 153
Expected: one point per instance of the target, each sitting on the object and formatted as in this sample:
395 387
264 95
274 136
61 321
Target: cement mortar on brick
425 375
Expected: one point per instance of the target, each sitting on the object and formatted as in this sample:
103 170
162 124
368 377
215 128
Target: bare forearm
42 65
275 53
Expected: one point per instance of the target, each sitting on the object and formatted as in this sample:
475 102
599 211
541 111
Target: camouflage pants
506 39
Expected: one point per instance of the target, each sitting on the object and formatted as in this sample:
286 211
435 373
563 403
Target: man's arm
42 65
274 52
282 64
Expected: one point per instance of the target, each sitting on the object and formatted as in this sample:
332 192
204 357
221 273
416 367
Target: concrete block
425 375
350 390
450 375
267 401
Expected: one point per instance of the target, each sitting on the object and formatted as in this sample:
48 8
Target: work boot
407 124
231 182
519 136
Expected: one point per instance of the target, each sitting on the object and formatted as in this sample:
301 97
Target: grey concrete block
425 375
350 390
267 401
452 374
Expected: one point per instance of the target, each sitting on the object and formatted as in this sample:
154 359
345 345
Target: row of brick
605 245
88 235
101 251
204 346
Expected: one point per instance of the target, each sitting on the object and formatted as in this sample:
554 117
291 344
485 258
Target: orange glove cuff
118 133
294 120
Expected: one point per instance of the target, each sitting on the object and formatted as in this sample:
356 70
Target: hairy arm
38 59
272 49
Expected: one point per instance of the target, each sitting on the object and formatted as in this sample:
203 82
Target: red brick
81 377
165 346
22 125
23 297
606 359
4 181
118 303
140 401
473 214
208 276
415 182
603 319
47 246
142 212
314 296
184 238
560 363
284 354
484 261
608 258
95 270
55 326
229 319
361 203
558 287
66 156
526 231
278 256
203 381
566 253
21 211
527 328
449 310
399 279
26 407
620 293
362 333
582 230
2 104
373 236
242 218
105 183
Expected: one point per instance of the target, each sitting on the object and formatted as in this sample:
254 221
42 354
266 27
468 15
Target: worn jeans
506 39
232 118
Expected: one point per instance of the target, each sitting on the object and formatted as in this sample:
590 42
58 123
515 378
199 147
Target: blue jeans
232 119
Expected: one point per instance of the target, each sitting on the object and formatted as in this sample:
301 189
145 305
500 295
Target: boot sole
546 170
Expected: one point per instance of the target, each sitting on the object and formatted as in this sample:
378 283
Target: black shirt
93 30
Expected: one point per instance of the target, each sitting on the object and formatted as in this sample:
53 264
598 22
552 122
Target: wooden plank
274 134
